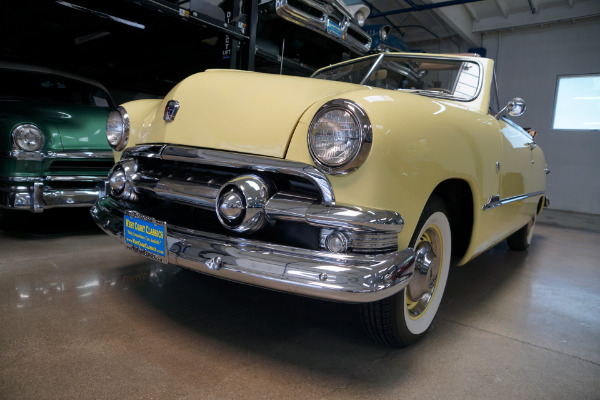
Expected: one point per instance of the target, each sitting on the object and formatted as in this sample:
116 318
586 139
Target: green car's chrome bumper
37 194
36 180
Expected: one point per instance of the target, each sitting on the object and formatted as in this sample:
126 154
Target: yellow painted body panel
418 142
235 110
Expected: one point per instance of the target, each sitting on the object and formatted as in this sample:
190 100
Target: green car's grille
80 165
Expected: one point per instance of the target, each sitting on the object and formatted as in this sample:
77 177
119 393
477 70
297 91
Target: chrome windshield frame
379 58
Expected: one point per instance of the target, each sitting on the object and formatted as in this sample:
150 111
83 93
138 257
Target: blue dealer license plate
146 236
334 29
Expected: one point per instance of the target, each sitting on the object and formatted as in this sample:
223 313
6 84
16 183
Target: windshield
42 87
429 76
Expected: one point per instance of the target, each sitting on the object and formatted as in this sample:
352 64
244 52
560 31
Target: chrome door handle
532 145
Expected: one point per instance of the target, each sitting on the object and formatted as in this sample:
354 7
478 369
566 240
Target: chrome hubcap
422 287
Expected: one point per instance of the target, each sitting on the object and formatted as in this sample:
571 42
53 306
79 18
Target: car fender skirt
351 278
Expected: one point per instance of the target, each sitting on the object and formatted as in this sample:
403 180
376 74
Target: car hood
66 127
239 111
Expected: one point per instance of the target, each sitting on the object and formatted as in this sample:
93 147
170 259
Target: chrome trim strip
283 206
288 207
340 277
236 160
203 196
81 154
83 178
355 218
39 156
55 178
495 200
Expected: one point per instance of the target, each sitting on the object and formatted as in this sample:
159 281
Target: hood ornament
171 110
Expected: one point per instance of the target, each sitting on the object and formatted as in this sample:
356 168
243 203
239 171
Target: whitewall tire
404 318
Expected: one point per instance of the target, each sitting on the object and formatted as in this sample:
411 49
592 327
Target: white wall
528 62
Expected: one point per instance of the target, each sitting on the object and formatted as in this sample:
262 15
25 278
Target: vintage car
332 19
356 185
383 38
53 150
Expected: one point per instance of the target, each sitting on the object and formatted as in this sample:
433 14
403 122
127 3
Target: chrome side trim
495 200
319 274
236 160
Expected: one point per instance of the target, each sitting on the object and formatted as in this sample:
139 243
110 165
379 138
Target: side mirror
516 107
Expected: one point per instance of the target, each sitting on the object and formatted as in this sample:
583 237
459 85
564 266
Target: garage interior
82 317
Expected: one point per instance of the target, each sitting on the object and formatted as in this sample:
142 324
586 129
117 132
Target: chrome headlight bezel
384 33
364 136
360 18
22 143
117 128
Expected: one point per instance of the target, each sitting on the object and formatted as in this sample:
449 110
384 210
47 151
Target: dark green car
53 148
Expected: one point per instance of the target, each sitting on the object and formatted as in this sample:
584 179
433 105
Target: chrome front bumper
352 278
38 194
340 29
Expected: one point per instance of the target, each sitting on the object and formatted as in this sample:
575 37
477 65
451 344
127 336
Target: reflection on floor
80 317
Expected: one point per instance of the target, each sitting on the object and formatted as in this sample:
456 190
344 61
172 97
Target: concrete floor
82 318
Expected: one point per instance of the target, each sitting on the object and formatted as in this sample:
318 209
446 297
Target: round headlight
383 33
117 128
28 137
359 17
339 137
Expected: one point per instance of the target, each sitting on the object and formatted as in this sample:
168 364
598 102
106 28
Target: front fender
418 143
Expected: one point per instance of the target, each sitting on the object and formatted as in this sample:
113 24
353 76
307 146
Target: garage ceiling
135 48
470 19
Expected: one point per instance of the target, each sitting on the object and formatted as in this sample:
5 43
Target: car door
518 192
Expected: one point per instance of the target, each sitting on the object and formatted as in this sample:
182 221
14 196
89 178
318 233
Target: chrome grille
183 186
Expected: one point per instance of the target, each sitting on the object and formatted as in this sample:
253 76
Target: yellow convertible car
359 184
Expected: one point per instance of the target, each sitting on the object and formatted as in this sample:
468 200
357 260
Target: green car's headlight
117 128
28 137
340 137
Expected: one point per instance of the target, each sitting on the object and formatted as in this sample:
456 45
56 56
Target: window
577 105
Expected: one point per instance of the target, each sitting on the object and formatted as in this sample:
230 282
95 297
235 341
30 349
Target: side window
467 81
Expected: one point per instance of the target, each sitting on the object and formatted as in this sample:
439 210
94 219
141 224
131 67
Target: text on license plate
146 236
334 29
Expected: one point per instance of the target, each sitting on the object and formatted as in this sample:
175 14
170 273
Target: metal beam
459 20
550 15
532 6
472 11
423 7
502 6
